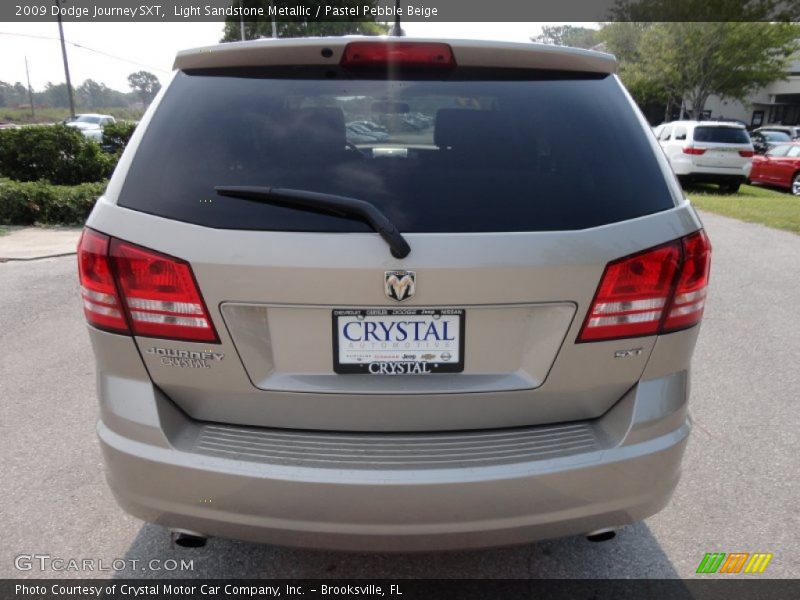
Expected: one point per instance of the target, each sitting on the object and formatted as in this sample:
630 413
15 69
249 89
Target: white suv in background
708 152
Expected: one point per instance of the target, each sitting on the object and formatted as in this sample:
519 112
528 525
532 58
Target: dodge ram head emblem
400 285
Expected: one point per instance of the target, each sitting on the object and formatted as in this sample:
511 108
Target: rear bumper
307 489
390 510
687 169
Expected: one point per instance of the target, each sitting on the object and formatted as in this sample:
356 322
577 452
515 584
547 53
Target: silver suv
473 332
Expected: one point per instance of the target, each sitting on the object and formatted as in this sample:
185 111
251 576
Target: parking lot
739 491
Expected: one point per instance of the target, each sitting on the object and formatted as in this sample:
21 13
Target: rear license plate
400 341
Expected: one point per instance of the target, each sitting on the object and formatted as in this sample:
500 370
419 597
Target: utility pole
241 19
274 25
396 30
66 64
30 89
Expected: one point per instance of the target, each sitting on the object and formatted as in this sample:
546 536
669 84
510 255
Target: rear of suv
471 333
708 152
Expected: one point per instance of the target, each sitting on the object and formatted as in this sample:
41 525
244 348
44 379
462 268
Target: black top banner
408 10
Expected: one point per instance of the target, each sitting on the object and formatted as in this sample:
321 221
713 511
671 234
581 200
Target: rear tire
729 188
796 184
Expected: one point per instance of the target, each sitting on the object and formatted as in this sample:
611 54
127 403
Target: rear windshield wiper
328 204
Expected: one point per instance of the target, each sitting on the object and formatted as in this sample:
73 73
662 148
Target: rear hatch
513 188
722 146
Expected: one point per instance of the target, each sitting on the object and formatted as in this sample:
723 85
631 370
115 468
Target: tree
624 40
53 95
707 11
13 95
731 59
288 27
145 85
568 35
93 95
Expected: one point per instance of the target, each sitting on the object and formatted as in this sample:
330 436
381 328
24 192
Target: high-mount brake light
378 55
652 292
130 289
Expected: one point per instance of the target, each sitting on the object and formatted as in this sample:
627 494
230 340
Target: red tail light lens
691 150
746 153
156 294
689 299
401 54
656 291
160 294
632 295
101 303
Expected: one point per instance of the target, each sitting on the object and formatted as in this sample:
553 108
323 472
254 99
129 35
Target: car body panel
777 168
255 436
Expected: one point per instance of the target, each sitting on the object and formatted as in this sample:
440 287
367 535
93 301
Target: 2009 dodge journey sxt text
393 294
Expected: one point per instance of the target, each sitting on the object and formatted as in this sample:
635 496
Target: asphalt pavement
739 491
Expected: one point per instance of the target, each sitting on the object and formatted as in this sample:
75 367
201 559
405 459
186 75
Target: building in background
778 102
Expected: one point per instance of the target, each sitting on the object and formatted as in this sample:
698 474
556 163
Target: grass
22 116
754 204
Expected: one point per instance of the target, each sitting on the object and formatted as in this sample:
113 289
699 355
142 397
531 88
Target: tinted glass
721 135
776 136
779 150
522 152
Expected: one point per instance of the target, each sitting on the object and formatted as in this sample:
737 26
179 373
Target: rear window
721 135
515 151
776 136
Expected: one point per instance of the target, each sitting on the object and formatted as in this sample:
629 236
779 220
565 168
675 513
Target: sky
110 51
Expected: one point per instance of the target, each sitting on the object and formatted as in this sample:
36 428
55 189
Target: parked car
779 167
91 124
763 140
371 126
708 152
357 132
479 337
793 131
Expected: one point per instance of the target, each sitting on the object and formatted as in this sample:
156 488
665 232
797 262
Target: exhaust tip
601 535
188 539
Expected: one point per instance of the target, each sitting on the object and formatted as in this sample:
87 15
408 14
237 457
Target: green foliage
55 115
694 60
13 95
706 11
568 35
753 204
39 202
117 135
57 154
145 85
288 27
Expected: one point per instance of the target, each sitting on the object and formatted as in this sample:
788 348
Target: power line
47 37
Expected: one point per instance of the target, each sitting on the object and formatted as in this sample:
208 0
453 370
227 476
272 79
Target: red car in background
779 167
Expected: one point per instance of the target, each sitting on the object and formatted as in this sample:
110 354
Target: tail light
656 291
689 299
746 153
101 303
693 150
400 54
159 293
